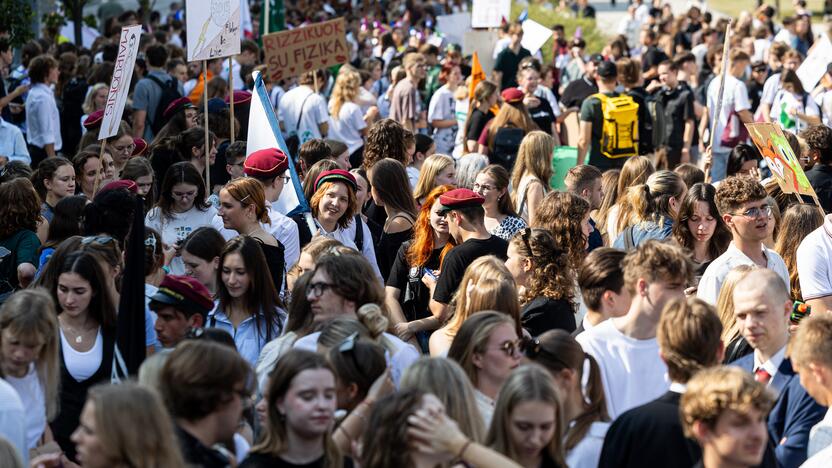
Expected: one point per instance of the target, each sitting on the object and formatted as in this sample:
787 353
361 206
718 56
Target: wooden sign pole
207 136
231 94
98 174
718 109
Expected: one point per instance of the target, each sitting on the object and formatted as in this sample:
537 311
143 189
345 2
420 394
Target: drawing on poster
212 32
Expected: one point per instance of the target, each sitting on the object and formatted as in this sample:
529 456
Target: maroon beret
176 106
184 293
512 95
336 175
94 119
266 163
240 97
460 198
120 184
141 146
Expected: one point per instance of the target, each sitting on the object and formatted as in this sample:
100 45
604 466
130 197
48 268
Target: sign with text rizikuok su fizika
300 50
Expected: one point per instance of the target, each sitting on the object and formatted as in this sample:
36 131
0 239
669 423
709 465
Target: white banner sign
813 68
490 13
128 48
534 36
213 28
453 27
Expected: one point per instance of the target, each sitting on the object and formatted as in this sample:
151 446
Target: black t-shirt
645 121
478 120
678 107
259 460
458 259
652 58
543 115
542 314
414 296
197 454
387 247
820 176
577 91
507 63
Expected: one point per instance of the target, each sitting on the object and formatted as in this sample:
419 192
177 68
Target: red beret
184 293
176 106
240 97
336 175
460 198
120 184
512 95
140 148
266 163
94 119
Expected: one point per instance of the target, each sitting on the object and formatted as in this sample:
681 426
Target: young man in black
679 115
592 119
505 67
578 90
819 141
464 213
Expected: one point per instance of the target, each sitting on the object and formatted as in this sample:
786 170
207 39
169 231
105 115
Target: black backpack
170 93
506 143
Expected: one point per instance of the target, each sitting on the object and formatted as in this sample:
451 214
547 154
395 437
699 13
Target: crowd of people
440 304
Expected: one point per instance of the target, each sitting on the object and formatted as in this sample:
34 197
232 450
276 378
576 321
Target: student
589 142
735 345
508 60
349 121
725 410
204 384
601 283
181 208
235 157
810 353
488 349
140 171
43 122
512 114
566 216
528 423
425 148
437 170
53 180
339 152
700 229
462 209
689 340
762 308
87 170
486 96
301 408
303 112
29 362
531 173
441 109
406 104
200 253
654 274
636 171
651 209
501 220
546 284
819 145
108 436
585 181
578 380
678 104
21 214
181 305
744 209
148 93
248 306
353 381
541 112
390 190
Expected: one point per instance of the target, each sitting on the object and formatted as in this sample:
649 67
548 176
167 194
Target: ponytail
592 389
650 201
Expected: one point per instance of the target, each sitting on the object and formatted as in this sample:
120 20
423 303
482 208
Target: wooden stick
817 203
267 3
207 136
718 109
101 162
231 94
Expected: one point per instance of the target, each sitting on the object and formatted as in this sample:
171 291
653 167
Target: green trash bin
563 159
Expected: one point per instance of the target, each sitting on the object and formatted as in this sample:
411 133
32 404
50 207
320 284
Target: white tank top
81 366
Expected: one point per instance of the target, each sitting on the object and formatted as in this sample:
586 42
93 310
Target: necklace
79 338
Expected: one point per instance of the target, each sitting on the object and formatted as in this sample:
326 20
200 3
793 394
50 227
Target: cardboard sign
534 35
814 67
301 50
213 28
128 49
482 42
784 165
453 27
490 13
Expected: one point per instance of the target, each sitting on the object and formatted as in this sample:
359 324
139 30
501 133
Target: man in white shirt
742 204
625 347
735 111
811 355
601 282
814 267
303 111
761 308
249 55
791 61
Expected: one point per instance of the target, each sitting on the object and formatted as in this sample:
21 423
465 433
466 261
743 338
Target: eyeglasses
125 149
190 194
756 212
318 289
482 187
512 348
102 240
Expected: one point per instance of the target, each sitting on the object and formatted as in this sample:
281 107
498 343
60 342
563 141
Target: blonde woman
531 174
96 100
635 171
735 346
528 424
486 285
650 210
437 170
29 358
349 123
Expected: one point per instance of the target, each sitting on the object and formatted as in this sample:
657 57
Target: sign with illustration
300 50
213 28
784 165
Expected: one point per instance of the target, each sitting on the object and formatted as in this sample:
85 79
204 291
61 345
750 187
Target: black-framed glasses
318 289
756 212
102 240
483 187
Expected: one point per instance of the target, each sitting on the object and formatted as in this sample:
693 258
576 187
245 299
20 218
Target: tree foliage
16 20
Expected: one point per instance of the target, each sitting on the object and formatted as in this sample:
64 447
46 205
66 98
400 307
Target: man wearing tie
762 308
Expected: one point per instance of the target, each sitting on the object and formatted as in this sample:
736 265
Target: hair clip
151 242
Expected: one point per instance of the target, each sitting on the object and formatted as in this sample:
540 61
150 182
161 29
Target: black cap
597 59
607 70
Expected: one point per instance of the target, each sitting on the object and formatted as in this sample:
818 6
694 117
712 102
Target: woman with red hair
416 267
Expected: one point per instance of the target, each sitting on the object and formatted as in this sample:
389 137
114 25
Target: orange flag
477 75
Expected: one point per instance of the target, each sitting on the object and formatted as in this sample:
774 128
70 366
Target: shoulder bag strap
300 116
359 233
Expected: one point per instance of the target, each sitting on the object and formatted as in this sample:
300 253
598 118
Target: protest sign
784 165
453 27
814 67
482 42
534 36
490 13
128 49
213 28
301 50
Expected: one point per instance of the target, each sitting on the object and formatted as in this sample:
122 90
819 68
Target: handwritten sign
490 13
814 67
213 28
784 165
301 50
128 49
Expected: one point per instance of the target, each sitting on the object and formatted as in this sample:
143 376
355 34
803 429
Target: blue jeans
719 164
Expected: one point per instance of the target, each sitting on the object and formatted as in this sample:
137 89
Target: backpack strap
359 233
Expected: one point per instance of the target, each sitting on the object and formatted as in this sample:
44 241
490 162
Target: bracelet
461 454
